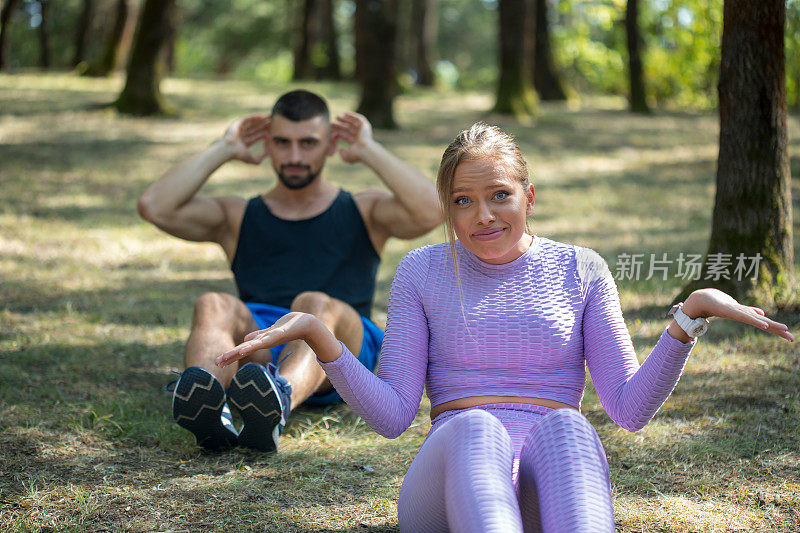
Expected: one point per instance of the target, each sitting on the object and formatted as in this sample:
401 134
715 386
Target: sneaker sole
254 395
197 406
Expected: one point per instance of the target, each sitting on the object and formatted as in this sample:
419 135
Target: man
305 245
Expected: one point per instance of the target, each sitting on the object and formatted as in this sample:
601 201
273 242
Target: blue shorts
265 315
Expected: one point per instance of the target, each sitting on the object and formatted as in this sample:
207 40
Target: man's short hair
300 105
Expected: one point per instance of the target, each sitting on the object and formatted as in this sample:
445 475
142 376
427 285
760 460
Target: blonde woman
501 324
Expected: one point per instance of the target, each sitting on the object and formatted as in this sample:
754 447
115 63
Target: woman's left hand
712 302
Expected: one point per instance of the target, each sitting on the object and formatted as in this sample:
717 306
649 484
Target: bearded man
304 245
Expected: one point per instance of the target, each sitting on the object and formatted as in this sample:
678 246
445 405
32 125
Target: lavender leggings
507 468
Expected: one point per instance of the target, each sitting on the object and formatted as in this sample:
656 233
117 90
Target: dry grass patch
96 306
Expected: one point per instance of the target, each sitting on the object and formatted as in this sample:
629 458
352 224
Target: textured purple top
532 325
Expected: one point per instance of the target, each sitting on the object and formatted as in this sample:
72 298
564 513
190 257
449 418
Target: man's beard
296 181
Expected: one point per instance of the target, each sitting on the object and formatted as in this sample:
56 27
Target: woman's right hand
290 327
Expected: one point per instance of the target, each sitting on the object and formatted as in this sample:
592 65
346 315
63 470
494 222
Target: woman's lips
488 234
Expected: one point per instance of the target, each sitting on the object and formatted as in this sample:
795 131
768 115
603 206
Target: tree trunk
332 69
168 52
5 17
423 39
375 42
515 95
302 51
638 100
84 23
360 27
546 80
44 34
752 208
141 95
316 55
108 61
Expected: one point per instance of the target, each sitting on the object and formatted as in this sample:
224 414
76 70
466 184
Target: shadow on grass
33 102
142 301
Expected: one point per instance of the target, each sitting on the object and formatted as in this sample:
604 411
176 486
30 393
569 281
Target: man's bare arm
171 202
413 207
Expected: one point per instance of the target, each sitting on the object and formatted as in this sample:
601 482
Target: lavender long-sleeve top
525 328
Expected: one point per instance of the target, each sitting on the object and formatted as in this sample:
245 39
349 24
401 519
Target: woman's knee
565 421
563 431
477 423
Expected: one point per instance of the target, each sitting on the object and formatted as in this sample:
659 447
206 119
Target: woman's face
489 210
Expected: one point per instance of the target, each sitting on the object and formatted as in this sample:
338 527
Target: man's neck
299 203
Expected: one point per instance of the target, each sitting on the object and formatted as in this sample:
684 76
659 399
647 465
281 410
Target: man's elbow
147 208
427 220
433 219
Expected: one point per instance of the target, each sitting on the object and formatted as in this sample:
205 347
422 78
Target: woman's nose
485 214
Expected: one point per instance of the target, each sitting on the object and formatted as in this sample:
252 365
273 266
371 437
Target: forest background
95 304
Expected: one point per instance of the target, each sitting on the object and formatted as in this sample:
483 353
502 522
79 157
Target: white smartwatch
694 327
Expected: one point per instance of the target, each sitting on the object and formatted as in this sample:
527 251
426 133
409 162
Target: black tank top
277 259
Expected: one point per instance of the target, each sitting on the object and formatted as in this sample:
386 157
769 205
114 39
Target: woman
500 324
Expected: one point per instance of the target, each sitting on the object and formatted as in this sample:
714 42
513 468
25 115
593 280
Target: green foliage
589 43
23 33
220 37
792 36
253 39
467 44
681 52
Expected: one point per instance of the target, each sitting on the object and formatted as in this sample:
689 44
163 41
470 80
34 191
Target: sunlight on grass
97 306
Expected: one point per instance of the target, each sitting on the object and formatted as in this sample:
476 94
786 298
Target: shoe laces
174 382
280 381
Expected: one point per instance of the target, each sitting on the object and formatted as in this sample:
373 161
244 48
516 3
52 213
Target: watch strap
693 327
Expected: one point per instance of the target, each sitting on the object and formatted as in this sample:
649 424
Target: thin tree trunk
752 208
84 23
796 103
332 69
545 77
360 28
375 43
44 34
5 17
515 95
302 51
423 39
169 53
316 54
108 61
638 99
141 95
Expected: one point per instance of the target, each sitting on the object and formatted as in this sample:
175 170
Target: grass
96 306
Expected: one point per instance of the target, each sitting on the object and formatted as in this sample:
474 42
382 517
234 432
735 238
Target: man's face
298 149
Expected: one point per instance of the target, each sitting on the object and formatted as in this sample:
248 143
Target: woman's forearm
324 344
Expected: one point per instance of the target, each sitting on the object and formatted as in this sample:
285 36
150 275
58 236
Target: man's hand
244 133
355 130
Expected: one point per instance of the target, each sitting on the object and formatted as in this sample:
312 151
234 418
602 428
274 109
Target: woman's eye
461 200
502 195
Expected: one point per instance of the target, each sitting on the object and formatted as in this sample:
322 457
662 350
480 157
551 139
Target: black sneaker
198 404
262 397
